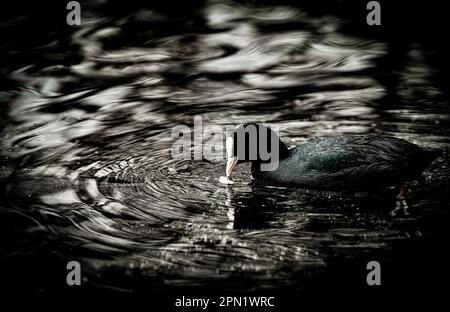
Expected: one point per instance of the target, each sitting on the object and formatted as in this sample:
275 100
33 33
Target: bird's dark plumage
346 162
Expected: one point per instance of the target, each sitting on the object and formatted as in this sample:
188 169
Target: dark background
424 274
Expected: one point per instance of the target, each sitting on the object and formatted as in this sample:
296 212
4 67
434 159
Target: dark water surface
87 174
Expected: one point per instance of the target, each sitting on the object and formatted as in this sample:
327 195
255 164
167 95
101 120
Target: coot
339 162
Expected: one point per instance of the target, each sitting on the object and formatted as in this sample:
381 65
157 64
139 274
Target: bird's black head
256 143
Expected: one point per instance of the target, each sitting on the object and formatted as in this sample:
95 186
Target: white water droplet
225 180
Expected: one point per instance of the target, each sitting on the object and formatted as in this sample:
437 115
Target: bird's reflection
254 206
250 207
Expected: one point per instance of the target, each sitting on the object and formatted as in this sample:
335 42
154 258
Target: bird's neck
257 165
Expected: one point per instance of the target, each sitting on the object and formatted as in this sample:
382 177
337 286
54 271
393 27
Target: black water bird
339 162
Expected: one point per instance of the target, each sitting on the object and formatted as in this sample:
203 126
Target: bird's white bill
231 164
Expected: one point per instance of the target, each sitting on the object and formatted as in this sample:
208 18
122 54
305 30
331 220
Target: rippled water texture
86 141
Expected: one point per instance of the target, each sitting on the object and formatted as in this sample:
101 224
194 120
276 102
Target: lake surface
87 171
